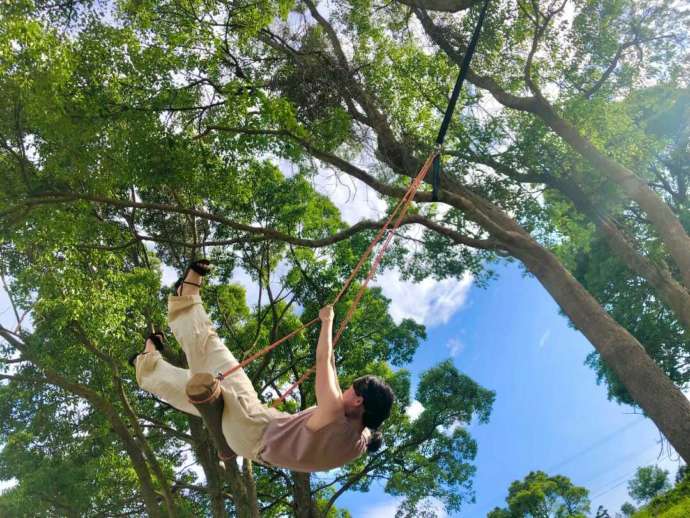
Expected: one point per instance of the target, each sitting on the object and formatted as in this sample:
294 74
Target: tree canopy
540 496
135 136
647 483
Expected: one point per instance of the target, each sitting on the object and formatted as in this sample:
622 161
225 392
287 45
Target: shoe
157 339
202 267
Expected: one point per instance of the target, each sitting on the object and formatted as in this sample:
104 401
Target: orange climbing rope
397 214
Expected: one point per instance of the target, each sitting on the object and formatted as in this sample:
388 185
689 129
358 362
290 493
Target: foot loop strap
214 395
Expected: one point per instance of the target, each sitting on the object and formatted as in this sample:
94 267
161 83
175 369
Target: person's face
351 399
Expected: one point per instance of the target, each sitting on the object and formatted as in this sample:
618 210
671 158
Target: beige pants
244 418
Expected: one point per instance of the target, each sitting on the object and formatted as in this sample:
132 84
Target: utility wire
594 445
616 483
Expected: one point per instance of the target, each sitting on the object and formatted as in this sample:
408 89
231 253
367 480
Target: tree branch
267 233
447 6
487 83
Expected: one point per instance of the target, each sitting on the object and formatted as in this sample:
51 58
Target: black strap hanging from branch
436 176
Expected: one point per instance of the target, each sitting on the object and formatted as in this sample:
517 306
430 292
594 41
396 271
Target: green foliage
647 483
431 456
636 306
541 496
674 503
628 509
137 135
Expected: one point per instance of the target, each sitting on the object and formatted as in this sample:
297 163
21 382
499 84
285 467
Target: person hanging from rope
339 429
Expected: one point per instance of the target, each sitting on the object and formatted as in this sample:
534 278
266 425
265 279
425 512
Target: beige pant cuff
177 305
145 364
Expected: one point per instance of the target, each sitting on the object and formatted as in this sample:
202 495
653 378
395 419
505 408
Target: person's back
289 442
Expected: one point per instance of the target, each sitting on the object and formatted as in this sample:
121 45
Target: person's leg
204 349
244 416
157 376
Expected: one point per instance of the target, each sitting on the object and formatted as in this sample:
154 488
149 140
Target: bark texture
301 493
656 394
659 277
148 492
204 453
449 6
660 215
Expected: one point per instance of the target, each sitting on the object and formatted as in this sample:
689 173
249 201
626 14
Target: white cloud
435 505
355 200
448 430
169 275
544 338
6 485
251 287
414 410
455 346
428 302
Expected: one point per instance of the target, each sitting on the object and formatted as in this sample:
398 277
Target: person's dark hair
378 400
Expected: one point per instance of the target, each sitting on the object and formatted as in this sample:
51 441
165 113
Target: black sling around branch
464 67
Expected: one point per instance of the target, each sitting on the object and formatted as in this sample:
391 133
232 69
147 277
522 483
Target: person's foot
149 346
190 282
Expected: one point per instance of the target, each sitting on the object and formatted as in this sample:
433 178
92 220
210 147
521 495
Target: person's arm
329 396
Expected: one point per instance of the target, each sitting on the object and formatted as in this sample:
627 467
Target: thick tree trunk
209 463
139 463
449 6
166 489
648 385
250 484
243 506
301 493
656 394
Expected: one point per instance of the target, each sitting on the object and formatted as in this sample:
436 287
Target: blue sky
549 412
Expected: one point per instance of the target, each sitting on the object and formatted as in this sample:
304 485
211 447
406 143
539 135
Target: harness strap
404 205
464 67
396 212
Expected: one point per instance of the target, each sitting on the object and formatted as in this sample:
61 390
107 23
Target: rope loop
399 214
395 218
216 392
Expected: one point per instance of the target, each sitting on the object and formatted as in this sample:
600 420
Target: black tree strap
464 67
